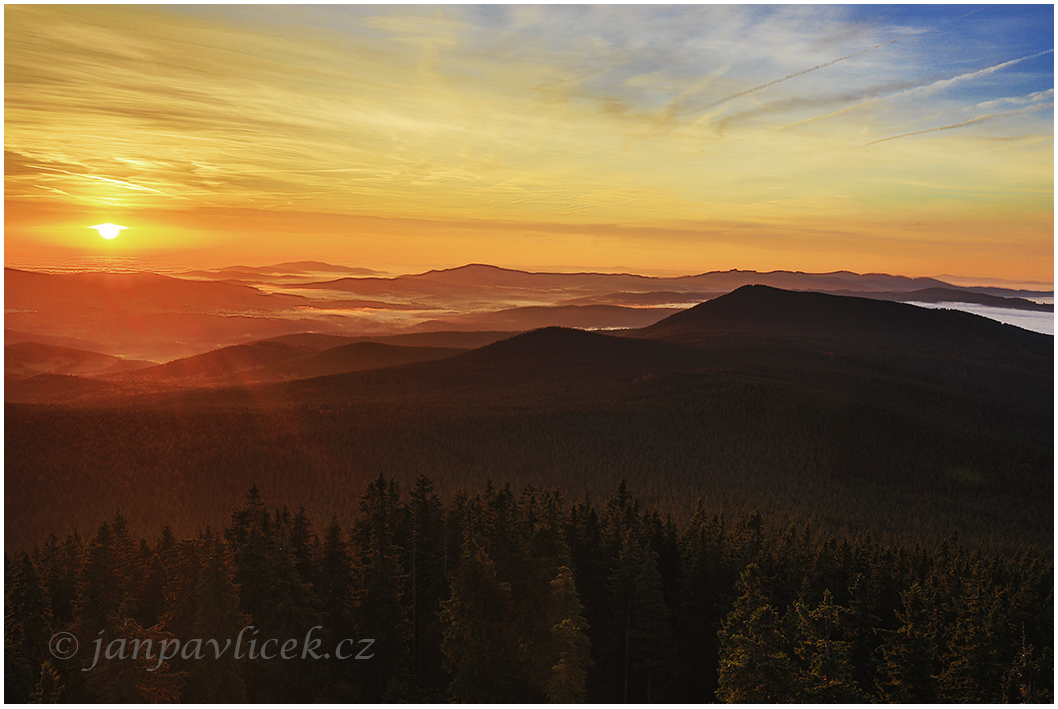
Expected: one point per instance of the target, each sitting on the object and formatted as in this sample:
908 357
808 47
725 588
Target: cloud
1034 97
946 83
972 121
803 72
807 102
932 87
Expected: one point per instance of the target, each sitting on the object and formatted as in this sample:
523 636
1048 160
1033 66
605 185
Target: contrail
806 71
814 102
943 83
130 185
978 119
935 86
973 11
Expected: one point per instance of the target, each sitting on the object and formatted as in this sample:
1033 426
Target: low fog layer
1037 322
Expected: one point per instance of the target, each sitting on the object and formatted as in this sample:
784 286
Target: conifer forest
508 595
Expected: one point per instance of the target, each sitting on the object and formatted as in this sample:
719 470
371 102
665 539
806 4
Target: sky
659 139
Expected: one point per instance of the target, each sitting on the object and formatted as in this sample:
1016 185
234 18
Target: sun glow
108 230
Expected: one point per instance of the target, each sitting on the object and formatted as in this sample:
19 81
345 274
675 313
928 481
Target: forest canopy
504 596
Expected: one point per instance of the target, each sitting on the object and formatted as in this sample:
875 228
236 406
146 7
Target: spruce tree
427 586
378 611
755 666
478 645
335 589
641 626
703 581
138 676
29 605
909 654
969 670
826 672
217 676
50 688
102 587
570 648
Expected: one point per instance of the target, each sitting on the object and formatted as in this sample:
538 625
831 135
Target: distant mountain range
488 277
146 316
761 317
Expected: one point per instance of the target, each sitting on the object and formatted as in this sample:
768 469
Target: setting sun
108 230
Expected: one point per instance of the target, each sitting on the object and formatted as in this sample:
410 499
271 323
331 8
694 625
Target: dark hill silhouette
12 337
252 362
560 344
274 360
435 338
23 359
763 311
357 356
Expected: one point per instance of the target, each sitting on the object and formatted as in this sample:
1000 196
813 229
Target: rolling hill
468 339
12 337
154 317
855 414
27 359
148 316
276 360
764 311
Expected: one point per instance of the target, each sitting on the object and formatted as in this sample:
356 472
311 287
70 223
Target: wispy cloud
970 76
963 124
810 102
776 82
1034 97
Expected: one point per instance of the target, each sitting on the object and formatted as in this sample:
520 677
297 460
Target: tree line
504 596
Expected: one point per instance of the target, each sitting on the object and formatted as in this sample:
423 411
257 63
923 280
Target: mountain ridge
479 274
765 311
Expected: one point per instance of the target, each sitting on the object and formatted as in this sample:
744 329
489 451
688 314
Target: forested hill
558 344
770 312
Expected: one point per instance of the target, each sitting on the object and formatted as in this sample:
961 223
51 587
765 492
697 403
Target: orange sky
659 139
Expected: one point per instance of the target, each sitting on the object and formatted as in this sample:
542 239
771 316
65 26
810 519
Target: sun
108 230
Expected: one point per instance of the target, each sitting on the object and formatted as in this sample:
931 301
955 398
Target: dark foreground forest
521 597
